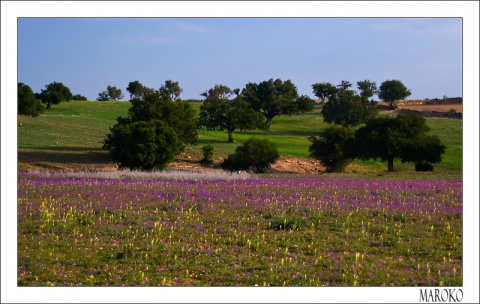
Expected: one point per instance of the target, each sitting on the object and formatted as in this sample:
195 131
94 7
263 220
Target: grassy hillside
72 133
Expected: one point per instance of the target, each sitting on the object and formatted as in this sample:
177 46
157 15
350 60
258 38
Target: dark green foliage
219 91
423 167
223 114
334 148
28 104
423 152
271 98
172 88
55 93
103 96
255 154
78 97
305 104
143 145
402 137
114 93
324 90
207 154
367 88
391 91
135 88
348 109
178 115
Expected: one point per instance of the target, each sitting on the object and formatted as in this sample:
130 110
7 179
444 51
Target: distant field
69 136
439 108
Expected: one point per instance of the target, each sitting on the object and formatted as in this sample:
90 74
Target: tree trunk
230 137
390 165
269 120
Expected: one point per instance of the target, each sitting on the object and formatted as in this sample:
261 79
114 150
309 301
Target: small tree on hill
114 93
172 88
255 154
135 88
55 93
223 114
324 90
28 104
367 88
103 96
348 109
272 98
391 91
79 97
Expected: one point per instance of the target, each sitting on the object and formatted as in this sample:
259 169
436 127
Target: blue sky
88 54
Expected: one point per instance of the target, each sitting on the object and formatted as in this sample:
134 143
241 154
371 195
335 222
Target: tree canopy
348 109
334 148
114 93
172 88
272 97
223 114
402 137
178 115
391 91
55 93
135 88
324 90
28 104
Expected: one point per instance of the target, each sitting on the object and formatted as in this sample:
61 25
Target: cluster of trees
32 104
386 138
155 131
160 124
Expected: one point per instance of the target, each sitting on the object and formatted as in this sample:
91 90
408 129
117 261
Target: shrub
333 148
423 166
255 154
207 154
143 145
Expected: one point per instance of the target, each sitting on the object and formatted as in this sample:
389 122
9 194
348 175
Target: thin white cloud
431 26
192 27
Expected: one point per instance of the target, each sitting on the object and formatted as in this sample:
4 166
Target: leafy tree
79 97
334 148
305 104
172 88
218 91
255 154
178 115
348 109
367 88
114 93
135 88
391 91
423 152
324 90
103 96
143 145
55 93
344 85
223 114
28 104
271 98
402 137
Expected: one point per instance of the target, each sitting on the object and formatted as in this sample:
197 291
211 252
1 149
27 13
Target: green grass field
73 132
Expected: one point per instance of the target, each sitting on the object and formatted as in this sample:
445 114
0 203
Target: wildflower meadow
244 230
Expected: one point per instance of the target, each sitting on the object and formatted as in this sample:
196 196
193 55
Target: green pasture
80 126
